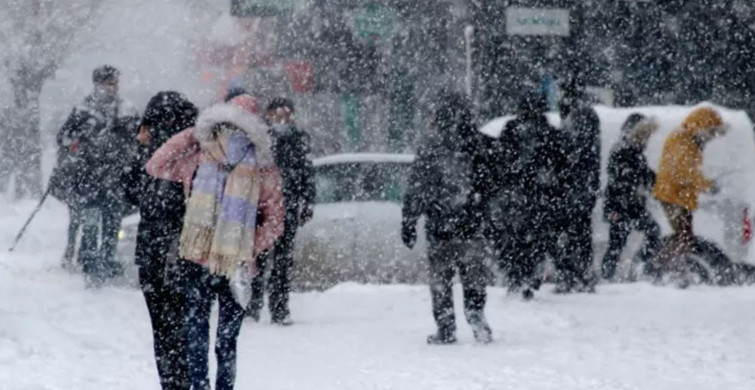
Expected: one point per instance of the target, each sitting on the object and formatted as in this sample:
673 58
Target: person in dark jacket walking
291 151
98 138
161 211
524 214
447 185
630 181
581 128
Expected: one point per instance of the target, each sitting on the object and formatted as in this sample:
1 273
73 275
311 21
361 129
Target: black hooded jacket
167 113
449 182
630 179
529 175
581 129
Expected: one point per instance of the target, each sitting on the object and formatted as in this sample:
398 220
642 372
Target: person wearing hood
291 148
680 182
581 129
525 212
234 212
161 210
96 143
630 180
446 185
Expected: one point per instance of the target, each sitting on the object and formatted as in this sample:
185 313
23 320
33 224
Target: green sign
247 8
374 23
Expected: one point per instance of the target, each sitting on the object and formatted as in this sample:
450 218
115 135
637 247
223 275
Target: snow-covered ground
54 334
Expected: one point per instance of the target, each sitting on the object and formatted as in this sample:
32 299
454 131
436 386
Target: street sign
537 21
262 8
374 23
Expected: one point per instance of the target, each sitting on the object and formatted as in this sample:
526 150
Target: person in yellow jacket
680 180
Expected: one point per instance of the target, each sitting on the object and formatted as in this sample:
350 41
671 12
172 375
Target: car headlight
121 235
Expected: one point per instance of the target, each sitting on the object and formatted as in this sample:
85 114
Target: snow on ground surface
54 334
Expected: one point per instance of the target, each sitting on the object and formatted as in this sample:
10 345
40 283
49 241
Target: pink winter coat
177 160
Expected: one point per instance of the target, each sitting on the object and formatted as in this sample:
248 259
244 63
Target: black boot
480 328
442 338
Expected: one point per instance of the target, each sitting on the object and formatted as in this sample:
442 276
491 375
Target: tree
37 36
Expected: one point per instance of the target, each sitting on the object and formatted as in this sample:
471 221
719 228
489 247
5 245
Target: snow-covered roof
345 158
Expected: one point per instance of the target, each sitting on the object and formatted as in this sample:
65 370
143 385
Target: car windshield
361 182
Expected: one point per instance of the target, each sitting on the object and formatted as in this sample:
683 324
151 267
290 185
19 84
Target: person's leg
230 318
175 308
111 224
618 232
472 273
199 297
667 256
258 286
90 231
280 284
651 243
441 256
73 230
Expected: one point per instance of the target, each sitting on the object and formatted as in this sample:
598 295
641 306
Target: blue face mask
282 128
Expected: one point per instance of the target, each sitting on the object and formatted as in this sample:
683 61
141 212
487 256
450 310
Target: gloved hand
715 188
306 215
408 234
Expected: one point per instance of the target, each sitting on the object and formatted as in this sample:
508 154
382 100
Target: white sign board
537 21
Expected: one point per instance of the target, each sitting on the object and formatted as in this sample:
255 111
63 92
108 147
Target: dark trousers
162 285
99 239
74 223
574 266
279 285
618 234
201 290
446 257
522 254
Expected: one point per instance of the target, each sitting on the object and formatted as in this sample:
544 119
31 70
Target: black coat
630 179
450 183
96 143
291 152
529 174
582 177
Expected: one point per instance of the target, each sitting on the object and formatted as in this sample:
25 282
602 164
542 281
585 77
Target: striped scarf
221 213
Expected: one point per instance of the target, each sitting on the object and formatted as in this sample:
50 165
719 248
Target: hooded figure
630 181
525 210
161 208
581 129
233 213
446 185
680 181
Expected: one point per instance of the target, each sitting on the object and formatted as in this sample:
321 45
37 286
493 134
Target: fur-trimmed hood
256 130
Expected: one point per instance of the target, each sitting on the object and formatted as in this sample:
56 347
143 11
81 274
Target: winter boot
253 313
441 338
283 321
528 295
480 328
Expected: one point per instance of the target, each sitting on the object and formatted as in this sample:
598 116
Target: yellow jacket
679 179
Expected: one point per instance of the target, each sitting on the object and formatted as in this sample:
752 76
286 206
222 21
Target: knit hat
247 102
105 73
702 118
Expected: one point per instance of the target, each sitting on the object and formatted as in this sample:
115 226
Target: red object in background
747 226
301 76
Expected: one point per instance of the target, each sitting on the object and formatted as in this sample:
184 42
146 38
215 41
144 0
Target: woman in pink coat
234 212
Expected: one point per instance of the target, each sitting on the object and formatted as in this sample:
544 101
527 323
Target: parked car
355 232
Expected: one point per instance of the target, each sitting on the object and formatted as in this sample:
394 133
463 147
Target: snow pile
55 335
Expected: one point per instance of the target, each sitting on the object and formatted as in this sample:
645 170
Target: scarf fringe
196 241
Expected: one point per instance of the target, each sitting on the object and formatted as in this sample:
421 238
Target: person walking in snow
445 185
630 181
680 181
161 211
581 128
98 141
526 212
291 151
234 212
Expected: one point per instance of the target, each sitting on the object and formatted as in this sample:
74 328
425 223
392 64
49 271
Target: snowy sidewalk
56 335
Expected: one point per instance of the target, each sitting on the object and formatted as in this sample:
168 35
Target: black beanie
105 73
